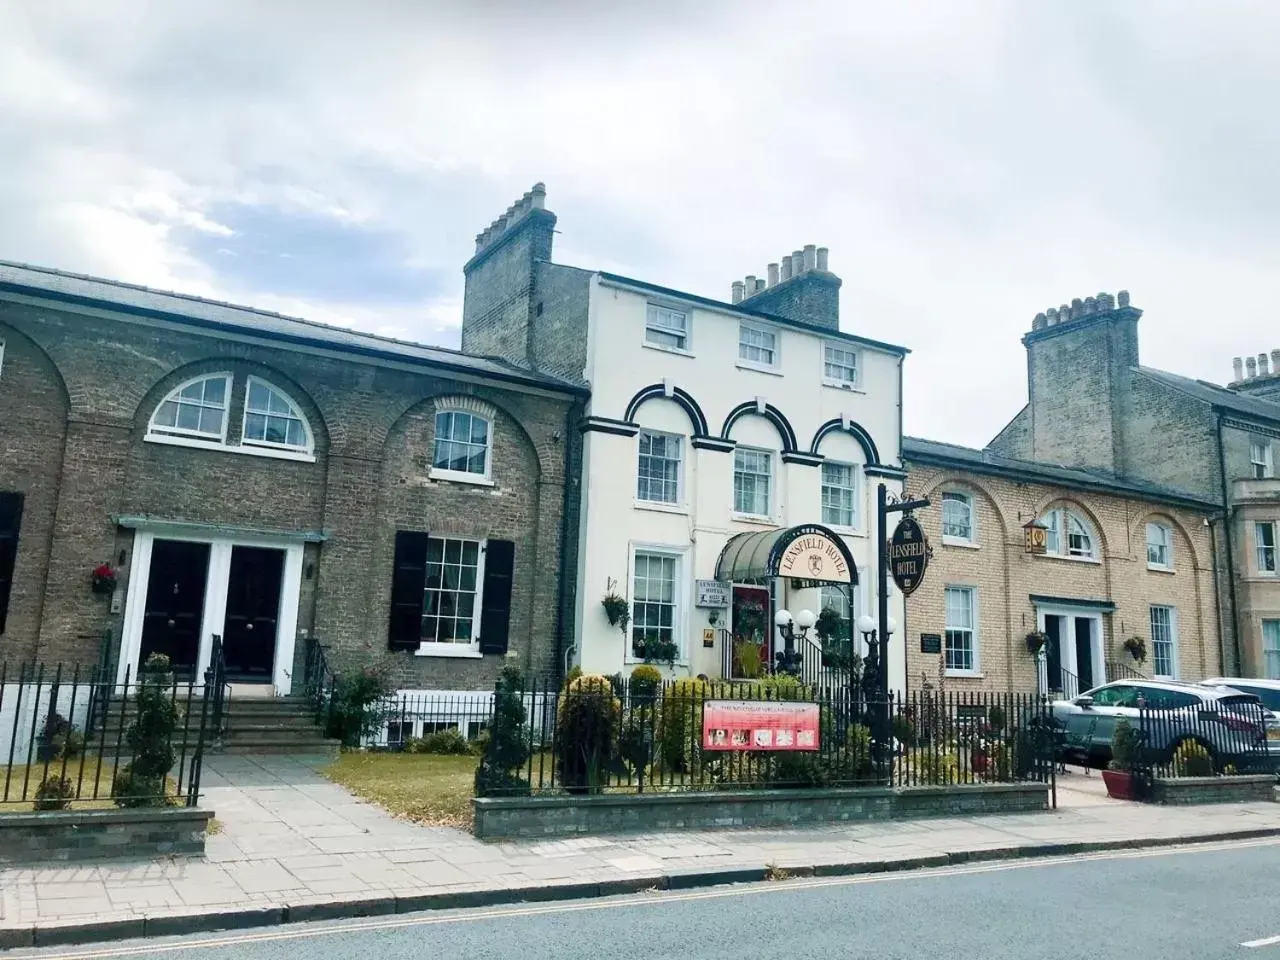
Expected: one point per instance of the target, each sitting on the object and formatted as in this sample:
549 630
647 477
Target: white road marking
1264 942
395 923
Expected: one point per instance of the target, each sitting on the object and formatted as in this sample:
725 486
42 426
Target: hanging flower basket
617 610
103 579
1036 641
1137 648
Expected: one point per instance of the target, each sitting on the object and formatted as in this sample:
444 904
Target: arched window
1068 535
196 410
271 419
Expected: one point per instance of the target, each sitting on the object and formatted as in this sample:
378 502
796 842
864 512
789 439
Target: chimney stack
1237 368
1262 366
799 287
1251 368
773 274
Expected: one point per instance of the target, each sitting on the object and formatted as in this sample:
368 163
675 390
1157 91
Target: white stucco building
706 420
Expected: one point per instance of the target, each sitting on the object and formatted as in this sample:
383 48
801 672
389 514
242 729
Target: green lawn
15 801
428 789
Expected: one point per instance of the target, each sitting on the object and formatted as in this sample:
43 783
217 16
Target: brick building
1092 405
269 480
1122 559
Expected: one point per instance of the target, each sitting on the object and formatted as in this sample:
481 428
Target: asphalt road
1201 903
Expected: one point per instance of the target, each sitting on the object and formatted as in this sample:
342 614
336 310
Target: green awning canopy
810 552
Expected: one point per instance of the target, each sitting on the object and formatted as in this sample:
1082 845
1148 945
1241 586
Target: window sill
1156 568
452 650
455 476
1058 556
632 661
845 531
957 542
966 674
843 385
661 349
753 519
758 368
268 453
657 506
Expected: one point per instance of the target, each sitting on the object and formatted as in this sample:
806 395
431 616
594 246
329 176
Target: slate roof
76 288
983 461
1211 393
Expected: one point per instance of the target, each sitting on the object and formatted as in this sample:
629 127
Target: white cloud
967 164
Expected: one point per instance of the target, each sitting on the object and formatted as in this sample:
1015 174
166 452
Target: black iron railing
1120 670
70 737
1233 735
215 679
618 736
319 682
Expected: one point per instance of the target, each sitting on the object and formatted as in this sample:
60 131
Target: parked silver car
1232 725
1268 691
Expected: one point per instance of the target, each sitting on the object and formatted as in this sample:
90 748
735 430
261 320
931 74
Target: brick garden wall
77 392
1005 577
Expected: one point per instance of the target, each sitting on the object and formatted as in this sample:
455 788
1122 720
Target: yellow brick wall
1005 577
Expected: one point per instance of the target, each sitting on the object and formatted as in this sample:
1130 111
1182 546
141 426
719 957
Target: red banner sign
756 725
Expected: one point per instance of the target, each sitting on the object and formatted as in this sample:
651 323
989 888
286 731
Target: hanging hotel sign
713 594
812 556
908 555
1035 537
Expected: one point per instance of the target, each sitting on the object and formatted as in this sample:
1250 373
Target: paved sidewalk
296 847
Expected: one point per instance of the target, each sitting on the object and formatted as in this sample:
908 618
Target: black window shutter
495 603
408 587
10 520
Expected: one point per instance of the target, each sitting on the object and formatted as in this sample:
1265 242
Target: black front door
1084 651
175 603
1053 656
253 609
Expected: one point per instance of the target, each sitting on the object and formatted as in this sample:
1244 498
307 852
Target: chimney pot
786 268
1077 308
760 285
750 286
539 193
1250 367
822 259
1122 298
810 257
1275 362
773 274
797 262
1237 368
1263 370
1038 322
1090 305
1051 317
737 291
1106 302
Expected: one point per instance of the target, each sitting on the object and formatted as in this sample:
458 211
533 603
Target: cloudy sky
969 164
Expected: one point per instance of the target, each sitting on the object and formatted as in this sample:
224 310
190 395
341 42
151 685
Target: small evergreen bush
141 783
1192 759
506 750
442 742
55 793
588 723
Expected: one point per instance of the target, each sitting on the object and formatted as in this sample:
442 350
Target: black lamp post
788 659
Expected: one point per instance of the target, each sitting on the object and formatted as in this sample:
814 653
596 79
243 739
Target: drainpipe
1217 599
564 648
1231 552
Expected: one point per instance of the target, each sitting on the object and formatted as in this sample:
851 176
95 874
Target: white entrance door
1074 656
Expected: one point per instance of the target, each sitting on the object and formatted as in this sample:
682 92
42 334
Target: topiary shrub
141 783
500 773
680 724
1192 759
1125 746
55 793
588 722
441 742
646 681
355 712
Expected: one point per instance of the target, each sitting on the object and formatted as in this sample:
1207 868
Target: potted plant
103 579
1036 641
617 610
1125 743
1137 648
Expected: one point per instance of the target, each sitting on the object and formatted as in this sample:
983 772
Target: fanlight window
1068 536
197 409
271 419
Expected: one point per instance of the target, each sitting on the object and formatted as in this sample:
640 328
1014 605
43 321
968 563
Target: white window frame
975 667
855 474
1057 521
650 325
838 381
182 436
1171 640
1262 551
1167 533
462 476
680 468
434 648
308 445
1270 654
772 492
760 329
1261 463
680 597
951 539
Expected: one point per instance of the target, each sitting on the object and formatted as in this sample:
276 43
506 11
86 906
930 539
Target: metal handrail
215 679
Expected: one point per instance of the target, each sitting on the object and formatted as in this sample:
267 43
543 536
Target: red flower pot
1119 784
978 761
